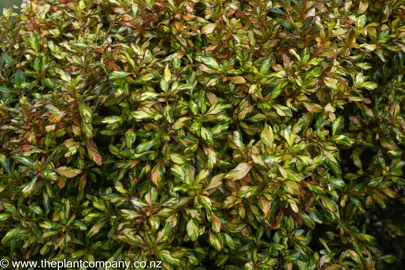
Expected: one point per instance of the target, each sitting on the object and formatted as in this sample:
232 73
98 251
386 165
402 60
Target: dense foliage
243 134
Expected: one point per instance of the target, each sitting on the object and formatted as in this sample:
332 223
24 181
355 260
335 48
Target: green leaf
276 13
130 137
203 174
247 191
80 224
331 82
206 135
192 229
24 160
4 217
360 21
5 164
28 189
210 62
166 256
178 172
356 257
179 124
215 242
329 204
229 241
205 202
208 28
167 75
116 75
177 158
87 129
34 42
217 108
388 258
282 110
266 64
19 77
368 85
86 112
145 78
78 254
10 235
141 115
267 136
111 120
238 140
148 96
48 225
364 66
337 125
344 140
65 76
145 146
369 47
332 163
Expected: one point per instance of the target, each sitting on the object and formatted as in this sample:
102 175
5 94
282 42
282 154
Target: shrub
206 134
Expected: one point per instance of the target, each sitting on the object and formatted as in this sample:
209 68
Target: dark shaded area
347 163
384 225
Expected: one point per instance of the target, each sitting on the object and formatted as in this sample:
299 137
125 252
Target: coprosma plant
205 134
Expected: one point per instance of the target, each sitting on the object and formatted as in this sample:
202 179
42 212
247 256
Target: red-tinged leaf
68 172
216 223
239 172
27 147
312 107
264 206
157 173
83 181
95 229
216 181
62 182
92 150
355 256
237 80
245 232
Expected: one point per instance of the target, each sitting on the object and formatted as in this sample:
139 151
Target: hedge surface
215 134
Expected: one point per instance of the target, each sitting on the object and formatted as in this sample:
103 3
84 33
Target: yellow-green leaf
239 172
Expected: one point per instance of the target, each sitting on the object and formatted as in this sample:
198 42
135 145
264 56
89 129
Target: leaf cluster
205 134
